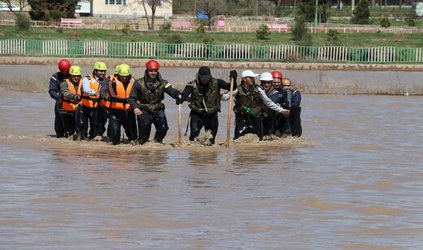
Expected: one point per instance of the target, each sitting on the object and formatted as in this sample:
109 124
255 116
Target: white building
128 8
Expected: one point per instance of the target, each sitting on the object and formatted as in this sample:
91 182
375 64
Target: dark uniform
147 95
54 91
205 101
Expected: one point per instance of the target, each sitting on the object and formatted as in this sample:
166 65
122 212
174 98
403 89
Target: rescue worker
146 100
90 94
204 93
266 81
54 92
250 101
102 113
70 99
116 94
294 105
281 123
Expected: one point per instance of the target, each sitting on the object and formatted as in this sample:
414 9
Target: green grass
320 39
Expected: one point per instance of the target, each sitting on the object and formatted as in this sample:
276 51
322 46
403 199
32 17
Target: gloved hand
77 97
225 97
179 100
137 112
233 74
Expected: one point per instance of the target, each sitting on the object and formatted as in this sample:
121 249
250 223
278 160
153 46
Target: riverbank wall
15 60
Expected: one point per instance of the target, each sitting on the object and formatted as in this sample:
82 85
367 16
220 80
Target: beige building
128 8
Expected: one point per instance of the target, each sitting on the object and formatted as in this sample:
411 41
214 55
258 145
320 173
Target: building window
115 2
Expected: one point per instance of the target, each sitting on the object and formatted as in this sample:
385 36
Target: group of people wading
86 104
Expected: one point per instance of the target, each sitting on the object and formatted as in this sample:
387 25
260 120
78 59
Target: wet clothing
116 93
250 104
54 92
295 114
290 125
205 104
269 115
69 105
85 115
147 94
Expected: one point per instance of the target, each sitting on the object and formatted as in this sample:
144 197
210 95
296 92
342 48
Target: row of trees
55 9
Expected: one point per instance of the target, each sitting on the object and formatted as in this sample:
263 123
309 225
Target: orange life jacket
90 101
68 104
121 93
103 102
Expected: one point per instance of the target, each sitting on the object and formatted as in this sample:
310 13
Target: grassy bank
320 39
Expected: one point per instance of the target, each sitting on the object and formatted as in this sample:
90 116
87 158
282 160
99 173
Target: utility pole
315 15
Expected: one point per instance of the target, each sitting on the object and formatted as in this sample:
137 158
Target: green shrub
23 22
263 32
332 37
361 13
385 23
200 28
165 27
300 28
174 38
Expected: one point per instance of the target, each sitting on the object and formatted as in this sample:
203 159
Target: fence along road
217 52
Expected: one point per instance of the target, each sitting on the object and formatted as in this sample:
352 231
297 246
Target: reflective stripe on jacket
119 94
68 104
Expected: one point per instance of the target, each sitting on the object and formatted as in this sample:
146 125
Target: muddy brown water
353 181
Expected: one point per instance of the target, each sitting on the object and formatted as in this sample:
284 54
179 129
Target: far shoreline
140 62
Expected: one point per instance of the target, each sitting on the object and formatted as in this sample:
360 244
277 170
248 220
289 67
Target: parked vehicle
5 7
83 8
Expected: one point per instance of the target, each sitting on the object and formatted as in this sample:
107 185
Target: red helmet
277 74
152 64
64 66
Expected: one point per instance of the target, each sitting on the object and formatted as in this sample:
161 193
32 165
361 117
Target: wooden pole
179 125
228 129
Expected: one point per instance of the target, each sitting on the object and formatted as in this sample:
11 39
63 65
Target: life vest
119 95
248 101
210 103
103 102
68 104
151 98
90 101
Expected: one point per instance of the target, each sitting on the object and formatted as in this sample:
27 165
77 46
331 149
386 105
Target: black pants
68 122
208 121
158 118
100 120
268 124
248 124
124 118
58 124
84 119
295 121
281 125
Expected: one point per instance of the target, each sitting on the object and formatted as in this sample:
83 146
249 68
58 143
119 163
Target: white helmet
266 76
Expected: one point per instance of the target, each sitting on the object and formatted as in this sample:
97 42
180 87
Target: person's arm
135 94
185 93
66 93
86 86
54 88
104 89
270 104
225 96
174 93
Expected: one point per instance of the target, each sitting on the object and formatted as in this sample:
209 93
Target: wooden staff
228 129
179 125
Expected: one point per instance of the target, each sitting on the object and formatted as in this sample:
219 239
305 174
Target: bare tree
22 4
211 8
152 4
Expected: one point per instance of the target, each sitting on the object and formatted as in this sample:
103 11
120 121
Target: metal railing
214 52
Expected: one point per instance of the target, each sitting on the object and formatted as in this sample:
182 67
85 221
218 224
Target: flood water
353 181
